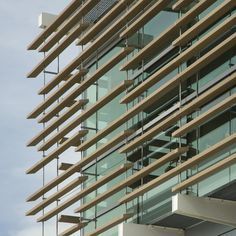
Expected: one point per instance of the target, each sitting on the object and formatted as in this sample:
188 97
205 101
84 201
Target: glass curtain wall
157 202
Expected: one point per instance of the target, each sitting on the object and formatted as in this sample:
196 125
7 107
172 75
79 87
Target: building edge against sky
138 118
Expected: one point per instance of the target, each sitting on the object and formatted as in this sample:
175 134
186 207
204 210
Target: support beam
65 166
209 209
130 229
69 219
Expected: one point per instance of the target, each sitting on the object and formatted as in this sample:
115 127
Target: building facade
139 120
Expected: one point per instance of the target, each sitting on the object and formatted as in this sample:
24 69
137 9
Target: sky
18 96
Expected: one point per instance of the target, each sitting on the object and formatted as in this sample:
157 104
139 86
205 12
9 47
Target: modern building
139 119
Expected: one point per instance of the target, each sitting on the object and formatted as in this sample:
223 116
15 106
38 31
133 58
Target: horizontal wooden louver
204 60
133 178
77 166
184 56
180 4
110 225
68 25
75 198
201 119
67 12
190 107
203 24
56 152
103 22
68 113
98 73
181 167
58 49
59 120
106 35
75 183
73 229
85 115
155 44
223 164
57 94
85 84
145 17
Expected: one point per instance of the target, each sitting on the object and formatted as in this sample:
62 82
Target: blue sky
18 24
